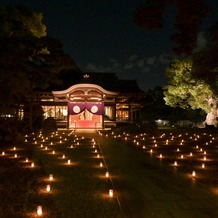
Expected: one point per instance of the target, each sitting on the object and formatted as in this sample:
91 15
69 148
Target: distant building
99 100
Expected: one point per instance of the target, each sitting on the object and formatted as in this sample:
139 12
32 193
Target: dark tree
188 20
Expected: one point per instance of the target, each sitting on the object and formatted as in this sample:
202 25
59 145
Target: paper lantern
107 174
111 193
193 173
51 177
39 211
48 188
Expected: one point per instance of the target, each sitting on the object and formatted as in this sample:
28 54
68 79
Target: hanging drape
93 107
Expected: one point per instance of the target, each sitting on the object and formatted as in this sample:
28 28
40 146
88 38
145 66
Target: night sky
101 36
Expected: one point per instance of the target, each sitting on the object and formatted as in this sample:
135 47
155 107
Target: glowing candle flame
51 177
175 163
101 164
69 162
32 165
63 156
39 211
193 173
48 188
111 193
107 174
203 165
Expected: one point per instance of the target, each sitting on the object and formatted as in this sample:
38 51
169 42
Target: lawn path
146 187
80 188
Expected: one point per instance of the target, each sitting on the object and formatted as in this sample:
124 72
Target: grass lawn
184 151
80 188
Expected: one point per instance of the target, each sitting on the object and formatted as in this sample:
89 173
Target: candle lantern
51 177
48 188
193 173
111 193
39 211
107 174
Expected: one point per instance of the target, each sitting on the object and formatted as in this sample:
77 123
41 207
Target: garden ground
151 174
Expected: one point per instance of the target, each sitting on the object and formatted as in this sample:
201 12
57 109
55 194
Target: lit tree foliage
186 91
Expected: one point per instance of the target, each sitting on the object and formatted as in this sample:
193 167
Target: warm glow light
98 155
111 193
96 150
63 156
51 143
3 153
27 160
203 165
14 148
182 156
48 188
32 164
175 163
107 174
101 164
39 210
53 152
205 158
51 177
15 155
69 162
161 156
193 173
191 154
151 151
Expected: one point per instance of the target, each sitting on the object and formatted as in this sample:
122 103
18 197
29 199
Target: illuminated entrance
87 105
85 114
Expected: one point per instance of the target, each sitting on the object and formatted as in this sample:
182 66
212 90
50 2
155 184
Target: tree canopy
184 90
188 20
29 59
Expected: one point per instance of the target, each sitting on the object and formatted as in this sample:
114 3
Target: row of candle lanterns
184 141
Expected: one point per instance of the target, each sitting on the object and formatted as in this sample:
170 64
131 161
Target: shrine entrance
86 105
85 115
